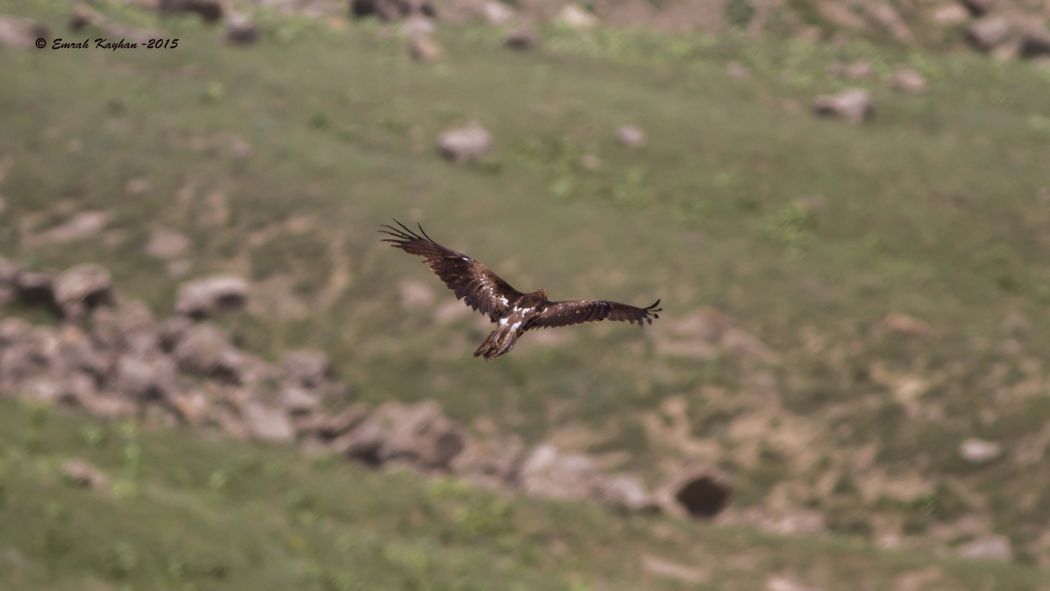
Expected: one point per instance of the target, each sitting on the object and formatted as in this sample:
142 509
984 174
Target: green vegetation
185 512
805 232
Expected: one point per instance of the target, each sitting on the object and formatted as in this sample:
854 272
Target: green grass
807 232
190 512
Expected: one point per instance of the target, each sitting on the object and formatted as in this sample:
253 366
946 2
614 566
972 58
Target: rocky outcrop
114 359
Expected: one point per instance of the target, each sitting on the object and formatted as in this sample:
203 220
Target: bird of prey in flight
513 311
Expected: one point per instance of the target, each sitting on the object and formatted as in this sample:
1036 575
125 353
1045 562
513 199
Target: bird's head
541 293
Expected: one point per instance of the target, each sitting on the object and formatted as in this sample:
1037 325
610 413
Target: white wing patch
516 325
503 322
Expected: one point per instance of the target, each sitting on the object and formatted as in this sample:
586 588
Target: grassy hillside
182 512
279 160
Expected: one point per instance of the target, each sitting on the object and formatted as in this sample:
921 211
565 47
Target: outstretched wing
577 311
470 280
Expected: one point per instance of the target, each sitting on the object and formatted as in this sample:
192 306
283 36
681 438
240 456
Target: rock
631 136
74 352
205 297
979 451
331 427
495 13
575 17
853 105
626 492
987 548
167 244
978 8
466 143
390 10
856 70
909 80
144 377
21 33
418 434
424 49
241 29
950 15
266 423
491 462
36 288
1035 43
989 32
700 493
548 472
781 583
85 475
82 288
129 326
298 401
204 350
210 11
86 17
83 225
522 38
307 368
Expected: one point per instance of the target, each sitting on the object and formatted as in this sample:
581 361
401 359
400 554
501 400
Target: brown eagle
513 311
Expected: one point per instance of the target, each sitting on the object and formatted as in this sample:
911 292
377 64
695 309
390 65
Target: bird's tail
499 342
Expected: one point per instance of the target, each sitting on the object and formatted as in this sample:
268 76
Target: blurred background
214 376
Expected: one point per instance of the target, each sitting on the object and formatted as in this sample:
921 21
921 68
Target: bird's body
512 311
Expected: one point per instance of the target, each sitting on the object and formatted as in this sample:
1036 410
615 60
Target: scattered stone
420 434
701 493
989 32
987 548
466 143
83 288
854 105
780 583
166 244
36 288
576 17
84 475
631 136
978 8
204 350
909 80
522 38
979 451
145 377
550 473
424 49
331 427
241 29
491 462
210 11
205 297
390 10
309 369
21 33
266 423
496 13
626 492
417 25
950 15
1035 43
299 401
